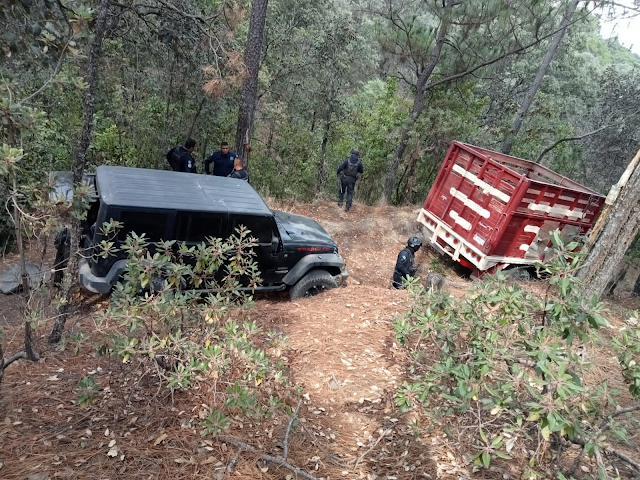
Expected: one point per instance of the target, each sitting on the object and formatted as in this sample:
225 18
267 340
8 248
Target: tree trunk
270 139
613 284
165 126
542 71
195 118
323 153
80 161
30 352
613 233
418 107
90 98
636 288
411 178
249 96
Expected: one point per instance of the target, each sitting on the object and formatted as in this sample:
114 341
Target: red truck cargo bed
487 209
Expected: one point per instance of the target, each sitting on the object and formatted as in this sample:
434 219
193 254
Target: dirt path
344 352
344 356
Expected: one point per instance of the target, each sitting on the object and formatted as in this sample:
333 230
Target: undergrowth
195 341
504 373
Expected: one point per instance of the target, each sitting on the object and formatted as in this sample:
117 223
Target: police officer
181 159
348 173
406 263
239 171
222 160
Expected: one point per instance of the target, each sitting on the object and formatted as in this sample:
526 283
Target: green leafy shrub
88 389
628 349
503 372
183 311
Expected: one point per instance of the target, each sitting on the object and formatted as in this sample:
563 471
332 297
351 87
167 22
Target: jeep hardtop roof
162 189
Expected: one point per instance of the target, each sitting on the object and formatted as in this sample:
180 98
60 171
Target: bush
503 372
195 340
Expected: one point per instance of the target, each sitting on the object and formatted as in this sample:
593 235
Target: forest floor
342 355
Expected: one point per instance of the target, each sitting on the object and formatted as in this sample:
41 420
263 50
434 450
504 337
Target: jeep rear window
260 227
196 227
151 224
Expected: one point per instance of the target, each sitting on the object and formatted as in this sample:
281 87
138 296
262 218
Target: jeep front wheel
311 284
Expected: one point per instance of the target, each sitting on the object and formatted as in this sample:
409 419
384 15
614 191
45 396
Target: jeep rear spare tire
312 283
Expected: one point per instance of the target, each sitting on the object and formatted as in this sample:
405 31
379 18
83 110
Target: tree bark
165 125
636 288
416 110
93 62
249 96
92 77
615 281
411 178
195 118
323 152
542 71
613 233
30 352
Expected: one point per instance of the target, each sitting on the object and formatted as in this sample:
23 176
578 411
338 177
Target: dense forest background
334 74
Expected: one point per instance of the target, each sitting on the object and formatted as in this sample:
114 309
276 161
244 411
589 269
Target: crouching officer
406 263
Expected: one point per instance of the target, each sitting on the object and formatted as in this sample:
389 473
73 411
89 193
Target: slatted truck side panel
488 210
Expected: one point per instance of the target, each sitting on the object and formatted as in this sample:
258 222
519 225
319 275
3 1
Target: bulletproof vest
410 262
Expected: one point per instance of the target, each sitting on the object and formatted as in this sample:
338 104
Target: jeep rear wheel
313 283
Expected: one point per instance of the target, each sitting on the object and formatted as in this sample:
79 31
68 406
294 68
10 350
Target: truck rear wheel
313 283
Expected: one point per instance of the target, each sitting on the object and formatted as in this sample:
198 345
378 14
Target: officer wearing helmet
406 263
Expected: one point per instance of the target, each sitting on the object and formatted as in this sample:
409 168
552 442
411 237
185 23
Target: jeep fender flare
313 261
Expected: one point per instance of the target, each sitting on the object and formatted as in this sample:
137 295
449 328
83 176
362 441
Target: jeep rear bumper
96 284
341 278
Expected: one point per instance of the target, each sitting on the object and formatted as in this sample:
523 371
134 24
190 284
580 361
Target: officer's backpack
173 157
352 168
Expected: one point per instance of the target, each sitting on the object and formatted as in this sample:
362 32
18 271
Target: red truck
488 210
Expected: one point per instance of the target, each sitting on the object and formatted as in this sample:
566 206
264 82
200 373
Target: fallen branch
527 362
4 363
604 427
623 456
288 431
382 435
13 358
330 457
280 461
233 461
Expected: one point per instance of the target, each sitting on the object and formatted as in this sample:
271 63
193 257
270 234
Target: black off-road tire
313 283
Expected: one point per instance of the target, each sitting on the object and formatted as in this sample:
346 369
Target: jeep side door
269 249
194 228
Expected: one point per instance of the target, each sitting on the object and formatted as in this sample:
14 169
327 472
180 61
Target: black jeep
293 252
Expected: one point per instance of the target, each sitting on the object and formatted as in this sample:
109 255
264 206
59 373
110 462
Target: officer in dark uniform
181 158
222 161
348 172
239 171
406 263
